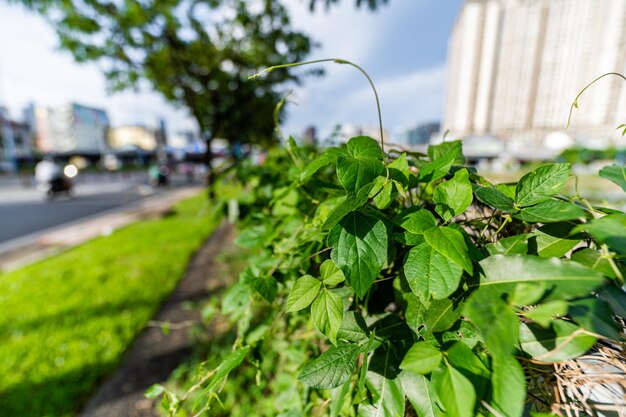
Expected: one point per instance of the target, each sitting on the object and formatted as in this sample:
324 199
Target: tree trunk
208 160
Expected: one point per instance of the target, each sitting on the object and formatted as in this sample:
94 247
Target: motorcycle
58 184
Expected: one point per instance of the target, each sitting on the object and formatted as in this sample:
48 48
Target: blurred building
69 129
515 67
350 130
16 147
419 135
309 136
133 136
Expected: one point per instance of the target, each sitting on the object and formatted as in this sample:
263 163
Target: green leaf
494 198
443 149
609 229
428 272
509 386
496 321
399 170
561 279
235 297
317 164
594 260
594 315
462 358
541 183
364 147
543 314
416 220
455 391
384 192
508 189
387 397
550 211
422 358
332 368
436 316
614 297
561 342
229 363
303 293
510 245
327 314
553 240
438 168
154 391
346 205
420 393
450 243
353 328
355 173
330 273
615 173
465 333
359 245
392 398
338 399
265 285
454 196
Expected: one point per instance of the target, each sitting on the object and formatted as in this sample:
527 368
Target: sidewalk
154 355
31 248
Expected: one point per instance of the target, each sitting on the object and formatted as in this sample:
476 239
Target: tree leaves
541 183
332 368
359 245
428 272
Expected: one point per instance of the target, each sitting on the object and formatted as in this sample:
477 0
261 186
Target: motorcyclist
50 178
47 170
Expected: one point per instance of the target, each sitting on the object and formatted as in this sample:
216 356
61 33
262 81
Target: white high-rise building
515 66
69 129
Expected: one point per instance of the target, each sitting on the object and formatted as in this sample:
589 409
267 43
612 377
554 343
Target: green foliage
405 283
434 298
68 320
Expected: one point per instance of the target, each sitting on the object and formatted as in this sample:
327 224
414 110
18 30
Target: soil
154 355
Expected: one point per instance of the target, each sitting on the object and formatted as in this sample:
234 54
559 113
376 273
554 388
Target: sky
402 46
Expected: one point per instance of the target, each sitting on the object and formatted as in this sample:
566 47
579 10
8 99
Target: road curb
25 250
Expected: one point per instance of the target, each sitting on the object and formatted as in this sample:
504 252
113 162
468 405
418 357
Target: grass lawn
66 321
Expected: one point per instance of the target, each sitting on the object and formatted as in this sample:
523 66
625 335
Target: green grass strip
66 321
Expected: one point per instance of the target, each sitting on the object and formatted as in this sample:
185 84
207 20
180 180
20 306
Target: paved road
23 210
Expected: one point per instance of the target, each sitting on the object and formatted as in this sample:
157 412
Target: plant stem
337 61
575 102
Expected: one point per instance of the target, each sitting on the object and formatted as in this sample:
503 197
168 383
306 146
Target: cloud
32 68
406 100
